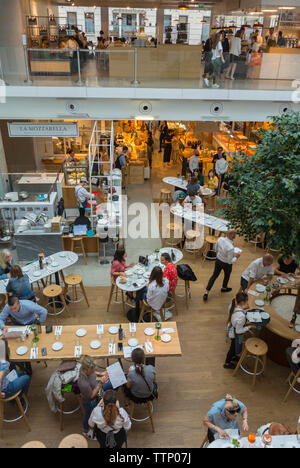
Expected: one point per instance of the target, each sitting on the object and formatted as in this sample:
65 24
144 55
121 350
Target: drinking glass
252 440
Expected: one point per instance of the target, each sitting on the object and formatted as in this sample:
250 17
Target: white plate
129 273
57 346
260 288
37 273
292 279
265 316
95 344
113 330
54 264
133 342
22 350
149 331
166 338
62 254
81 332
259 303
282 280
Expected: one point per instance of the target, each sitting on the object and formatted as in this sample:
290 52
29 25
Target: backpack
186 273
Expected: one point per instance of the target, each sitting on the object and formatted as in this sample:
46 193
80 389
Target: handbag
154 392
255 59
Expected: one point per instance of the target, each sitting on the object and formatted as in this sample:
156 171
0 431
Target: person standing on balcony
217 58
221 168
235 52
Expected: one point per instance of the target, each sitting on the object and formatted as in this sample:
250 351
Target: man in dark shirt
83 221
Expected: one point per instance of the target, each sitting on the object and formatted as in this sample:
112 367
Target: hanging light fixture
183 6
203 21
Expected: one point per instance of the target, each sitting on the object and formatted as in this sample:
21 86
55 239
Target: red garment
117 267
170 272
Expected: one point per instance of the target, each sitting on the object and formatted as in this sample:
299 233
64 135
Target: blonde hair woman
6 262
223 415
90 383
110 421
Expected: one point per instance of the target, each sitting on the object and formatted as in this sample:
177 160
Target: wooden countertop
278 325
284 50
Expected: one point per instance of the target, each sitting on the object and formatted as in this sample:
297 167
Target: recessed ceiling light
269 11
287 8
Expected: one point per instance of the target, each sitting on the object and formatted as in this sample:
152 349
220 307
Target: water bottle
173 257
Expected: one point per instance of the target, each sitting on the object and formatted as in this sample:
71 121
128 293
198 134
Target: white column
120 24
3 168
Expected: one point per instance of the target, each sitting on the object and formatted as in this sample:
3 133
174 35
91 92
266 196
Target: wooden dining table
69 339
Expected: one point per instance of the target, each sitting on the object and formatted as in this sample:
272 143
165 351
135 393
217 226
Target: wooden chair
114 291
53 292
205 442
145 307
23 411
78 248
150 413
257 349
34 444
165 196
259 239
74 441
74 281
62 412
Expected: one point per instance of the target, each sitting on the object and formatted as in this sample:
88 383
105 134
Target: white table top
200 217
139 274
182 184
59 261
277 442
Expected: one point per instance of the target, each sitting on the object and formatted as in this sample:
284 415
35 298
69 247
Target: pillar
3 168
160 26
105 21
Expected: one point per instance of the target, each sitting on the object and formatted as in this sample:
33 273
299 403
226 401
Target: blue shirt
14 287
4 271
217 416
27 314
4 367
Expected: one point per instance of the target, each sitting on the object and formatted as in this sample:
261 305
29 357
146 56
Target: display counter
166 61
53 163
45 62
30 243
279 64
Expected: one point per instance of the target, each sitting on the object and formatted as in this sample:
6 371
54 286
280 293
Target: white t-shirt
97 418
197 200
257 270
156 296
216 51
225 250
236 46
221 166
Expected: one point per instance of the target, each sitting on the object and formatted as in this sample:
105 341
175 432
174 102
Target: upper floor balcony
166 71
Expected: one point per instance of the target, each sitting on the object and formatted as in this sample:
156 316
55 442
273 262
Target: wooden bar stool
53 292
78 248
62 412
192 238
22 411
292 384
114 291
210 242
34 444
187 292
256 349
174 235
75 280
145 307
150 413
165 196
74 441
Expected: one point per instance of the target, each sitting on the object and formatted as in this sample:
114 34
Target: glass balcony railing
165 66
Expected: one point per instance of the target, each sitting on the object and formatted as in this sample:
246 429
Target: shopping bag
255 59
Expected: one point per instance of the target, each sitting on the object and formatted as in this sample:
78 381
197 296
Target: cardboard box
56 224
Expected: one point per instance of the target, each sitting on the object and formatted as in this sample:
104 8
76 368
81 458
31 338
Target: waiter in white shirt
256 270
82 196
226 256
194 162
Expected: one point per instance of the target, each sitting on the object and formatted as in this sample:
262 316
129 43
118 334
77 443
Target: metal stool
76 240
22 411
75 280
150 413
255 348
53 292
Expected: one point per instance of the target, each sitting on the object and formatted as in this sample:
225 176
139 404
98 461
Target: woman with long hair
217 58
141 379
158 289
237 327
6 262
19 284
119 265
235 52
110 421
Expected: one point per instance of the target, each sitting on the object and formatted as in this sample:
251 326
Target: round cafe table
276 333
139 275
180 184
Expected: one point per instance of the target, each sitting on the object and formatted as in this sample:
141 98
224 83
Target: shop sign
42 130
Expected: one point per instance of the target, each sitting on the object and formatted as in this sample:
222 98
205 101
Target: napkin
253 293
111 348
100 329
149 347
34 352
78 351
168 330
58 330
127 350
